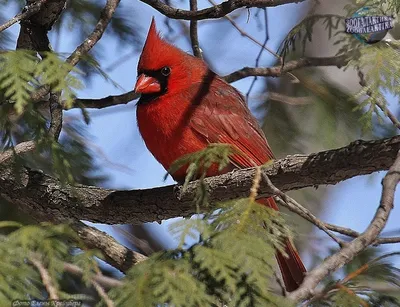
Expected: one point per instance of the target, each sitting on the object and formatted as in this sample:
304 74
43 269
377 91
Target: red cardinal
184 106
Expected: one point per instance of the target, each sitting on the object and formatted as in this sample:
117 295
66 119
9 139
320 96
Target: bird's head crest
157 54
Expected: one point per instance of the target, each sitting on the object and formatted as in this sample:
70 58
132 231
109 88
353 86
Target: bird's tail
291 266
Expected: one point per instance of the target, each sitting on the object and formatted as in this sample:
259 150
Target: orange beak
147 85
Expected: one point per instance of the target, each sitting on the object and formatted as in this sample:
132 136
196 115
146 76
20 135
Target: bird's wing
222 116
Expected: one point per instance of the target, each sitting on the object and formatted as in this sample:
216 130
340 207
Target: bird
184 106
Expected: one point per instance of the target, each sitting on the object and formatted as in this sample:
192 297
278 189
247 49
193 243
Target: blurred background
308 110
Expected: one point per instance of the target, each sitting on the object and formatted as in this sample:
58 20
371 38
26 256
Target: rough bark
46 198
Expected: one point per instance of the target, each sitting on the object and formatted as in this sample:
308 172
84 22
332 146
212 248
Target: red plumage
185 106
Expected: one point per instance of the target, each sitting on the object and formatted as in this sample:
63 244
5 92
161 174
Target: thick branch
39 194
28 12
216 11
33 32
347 253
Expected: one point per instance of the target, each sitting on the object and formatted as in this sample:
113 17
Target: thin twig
46 279
106 101
245 34
277 71
347 253
264 46
380 104
294 206
104 281
389 114
351 292
105 17
256 184
293 101
193 32
103 294
26 13
274 71
280 283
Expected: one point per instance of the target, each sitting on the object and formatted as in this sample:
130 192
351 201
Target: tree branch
33 32
39 194
379 103
194 39
279 70
115 253
275 71
26 13
105 18
106 101
46 279
216 11
347 253
104 281
100 291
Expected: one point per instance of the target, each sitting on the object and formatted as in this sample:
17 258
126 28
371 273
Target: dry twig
104 281
46 279
368 237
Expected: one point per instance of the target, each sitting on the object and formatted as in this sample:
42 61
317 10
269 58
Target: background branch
245 72
216 11
279 70
105 18
193 32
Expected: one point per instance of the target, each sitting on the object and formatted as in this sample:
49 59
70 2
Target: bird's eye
165 71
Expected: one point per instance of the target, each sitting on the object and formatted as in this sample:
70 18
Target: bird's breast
164 126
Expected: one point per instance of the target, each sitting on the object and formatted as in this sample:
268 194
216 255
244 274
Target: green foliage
379 62
21 72
199 162
52 246
231 264
302 32
381 68
17 73
56 73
